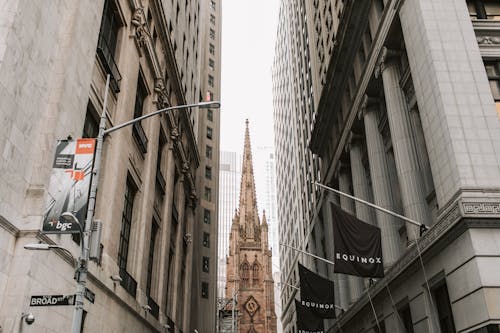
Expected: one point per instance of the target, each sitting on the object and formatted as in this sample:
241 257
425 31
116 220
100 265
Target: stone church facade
249 268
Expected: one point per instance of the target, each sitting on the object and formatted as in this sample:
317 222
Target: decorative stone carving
174 134
383 60
487 40
481 208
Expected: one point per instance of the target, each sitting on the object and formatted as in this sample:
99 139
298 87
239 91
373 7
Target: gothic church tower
249 270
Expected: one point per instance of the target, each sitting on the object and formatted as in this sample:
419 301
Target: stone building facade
405 99
249 264
52 83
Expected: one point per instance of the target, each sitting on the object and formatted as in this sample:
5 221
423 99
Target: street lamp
46 247
84 257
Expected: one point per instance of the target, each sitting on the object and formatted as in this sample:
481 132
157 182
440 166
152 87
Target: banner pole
309 254
372 205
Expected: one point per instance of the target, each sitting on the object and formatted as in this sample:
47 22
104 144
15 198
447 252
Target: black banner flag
307 322
317 293
357 246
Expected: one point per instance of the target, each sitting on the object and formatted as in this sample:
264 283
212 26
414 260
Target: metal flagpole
309 254
372 205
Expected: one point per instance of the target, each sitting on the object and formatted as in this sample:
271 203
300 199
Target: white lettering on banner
317 305
306 331
85 145
363 260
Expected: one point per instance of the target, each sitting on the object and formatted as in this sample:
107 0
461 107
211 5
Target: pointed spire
249 217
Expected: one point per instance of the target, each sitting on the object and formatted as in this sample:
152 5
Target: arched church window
255 273
245 274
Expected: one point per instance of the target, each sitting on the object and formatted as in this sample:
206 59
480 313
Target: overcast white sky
248 35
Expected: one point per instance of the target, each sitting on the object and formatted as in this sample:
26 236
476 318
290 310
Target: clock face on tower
251 306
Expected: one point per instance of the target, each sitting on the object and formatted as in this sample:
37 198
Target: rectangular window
208 152
493 72
210 80
211 49
206 239
208 194
210 115
123 248
443 307
405 315
206 264
130 191
212 4
209 133
204 289
211 64
212 34
108 41
208 172
206 216
152 241
137 130
484 9
212 19
91 124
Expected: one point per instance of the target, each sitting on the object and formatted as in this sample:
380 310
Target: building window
208 172
206 239
206 263
208 152
209 133
443 307
255 274
127 281
212 19
211 64
212 34
484 9
152 241
208 194
137 130
211 49
212 4
210 80
245 274
210 115
206 216
405 315
204 289
493 71
91 125
108 41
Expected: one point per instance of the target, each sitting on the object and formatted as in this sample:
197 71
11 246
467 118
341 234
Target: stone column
361 189
382 193
409 174
346 288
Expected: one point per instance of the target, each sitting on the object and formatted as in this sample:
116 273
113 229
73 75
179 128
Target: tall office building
154 184
296 166
265 180
229 191
204 278
406 116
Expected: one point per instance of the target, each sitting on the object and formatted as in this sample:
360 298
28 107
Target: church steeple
249 268
249 217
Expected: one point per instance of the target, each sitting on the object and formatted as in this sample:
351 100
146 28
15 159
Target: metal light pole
82 268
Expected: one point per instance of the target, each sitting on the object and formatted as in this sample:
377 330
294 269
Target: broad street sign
49 300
